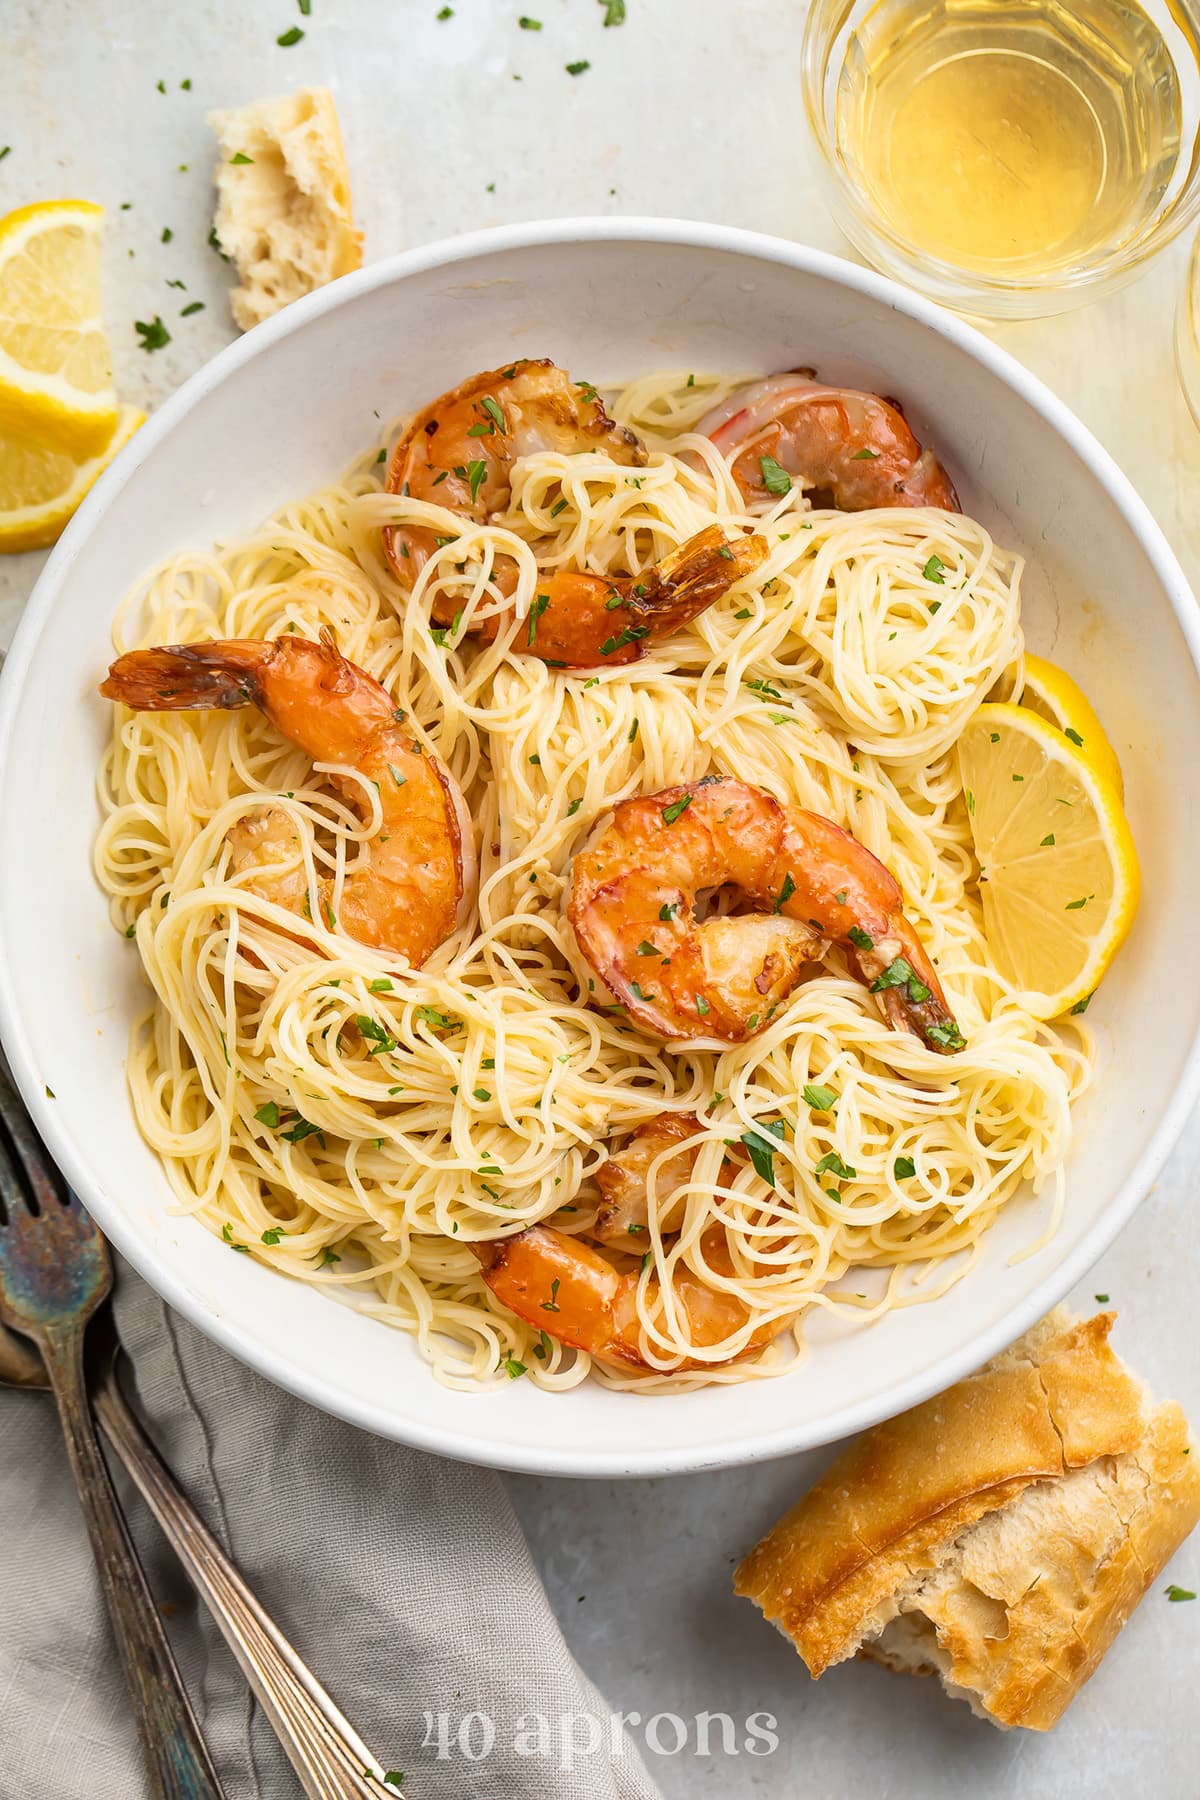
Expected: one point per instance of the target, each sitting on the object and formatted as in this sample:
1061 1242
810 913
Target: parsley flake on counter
193 306
153 333
614 12
1175 1592
528 24
577 68
291 36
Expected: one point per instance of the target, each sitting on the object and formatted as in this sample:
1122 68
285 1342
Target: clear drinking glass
1187 334
1008 157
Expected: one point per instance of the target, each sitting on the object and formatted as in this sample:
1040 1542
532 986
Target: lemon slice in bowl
41 487
1050 692
55 364
1059 877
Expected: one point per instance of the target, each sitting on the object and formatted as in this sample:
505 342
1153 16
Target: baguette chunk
998 1536
284 215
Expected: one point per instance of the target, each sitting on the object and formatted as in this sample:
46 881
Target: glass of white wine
1187 334
1009 157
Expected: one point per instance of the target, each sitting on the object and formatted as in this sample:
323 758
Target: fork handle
177 1759
326 1752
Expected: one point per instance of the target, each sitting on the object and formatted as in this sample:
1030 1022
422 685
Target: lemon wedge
1058 871
1051 693
41 487
55 365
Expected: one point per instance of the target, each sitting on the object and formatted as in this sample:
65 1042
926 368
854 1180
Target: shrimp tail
683 584
189 677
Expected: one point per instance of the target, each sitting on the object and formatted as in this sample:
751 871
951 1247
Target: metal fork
54 1272
327 1754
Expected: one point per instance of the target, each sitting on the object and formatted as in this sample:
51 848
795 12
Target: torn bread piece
998 1536
283 200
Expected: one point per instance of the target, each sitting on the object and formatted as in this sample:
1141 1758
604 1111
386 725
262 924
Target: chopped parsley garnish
1074 736
860 939
904 1167
528 24
167 235
1075 905
227 1234
241 157
512 1368
933 571
476 471
785 893
328 1256
762 1155
540 603
193 306
775 477
396 776
380 985
1175 1592
1081 1006
303 1128
376 1033
551 1305
574 807
865 456
447 12
970 800
633 731
702 1006
614 12
268 1114
1103 1299
668 910
273 1235
6 150
821 1099
645 948
745 613
832 1164
495 412
577 68
676 809
637 993
900 974
764 688
948 1035
559 505
438 1021
153 333
481 1094
1047 840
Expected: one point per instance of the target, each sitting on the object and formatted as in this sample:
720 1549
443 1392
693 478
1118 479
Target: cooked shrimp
570 1290
858 449
459 454
419 879
632 1186
634 892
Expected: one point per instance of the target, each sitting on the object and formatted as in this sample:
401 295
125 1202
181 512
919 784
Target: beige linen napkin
403 1579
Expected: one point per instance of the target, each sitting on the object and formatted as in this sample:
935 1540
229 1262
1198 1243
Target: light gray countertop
692 109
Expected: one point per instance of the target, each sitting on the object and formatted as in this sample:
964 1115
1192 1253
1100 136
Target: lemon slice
1058 871
40 487
1050 692
55 364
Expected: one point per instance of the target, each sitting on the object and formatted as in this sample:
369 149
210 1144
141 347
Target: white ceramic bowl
279 413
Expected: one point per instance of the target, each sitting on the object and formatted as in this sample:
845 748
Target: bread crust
999 1534
284 212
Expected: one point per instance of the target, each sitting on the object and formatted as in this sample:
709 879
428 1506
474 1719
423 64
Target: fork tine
43 1179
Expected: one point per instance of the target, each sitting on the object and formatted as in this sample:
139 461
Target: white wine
1013 137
